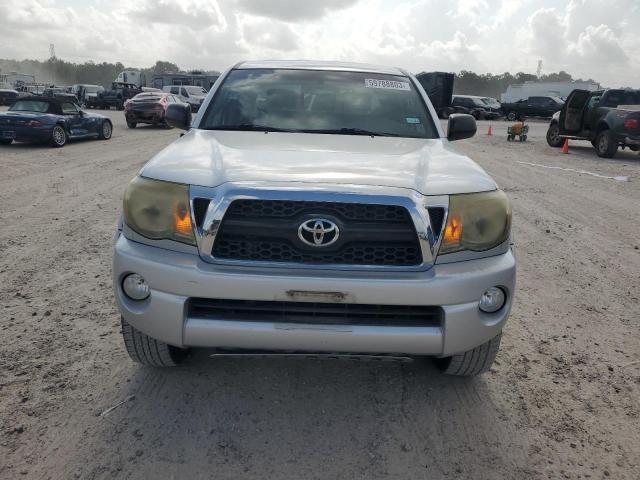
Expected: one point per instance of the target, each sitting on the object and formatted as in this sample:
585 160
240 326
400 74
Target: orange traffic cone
565 147
490 132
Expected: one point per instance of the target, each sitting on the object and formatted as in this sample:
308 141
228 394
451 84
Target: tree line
60 72
490 85
55 71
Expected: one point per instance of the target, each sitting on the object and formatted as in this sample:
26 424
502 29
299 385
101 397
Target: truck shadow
290 418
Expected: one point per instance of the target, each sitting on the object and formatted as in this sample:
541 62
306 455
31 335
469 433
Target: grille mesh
347 211
266 230
316 313
280 251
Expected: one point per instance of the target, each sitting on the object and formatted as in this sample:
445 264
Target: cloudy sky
588 38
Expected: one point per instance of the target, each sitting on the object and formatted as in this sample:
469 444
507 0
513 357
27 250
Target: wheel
6 141
58 137
606 144
149 351
131 124
512 116
473 362
120 105
523 138
444 114
510 138
106 130
553 136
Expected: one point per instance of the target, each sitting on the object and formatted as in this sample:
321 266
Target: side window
174 90
593 101
184 93
456 101
68 108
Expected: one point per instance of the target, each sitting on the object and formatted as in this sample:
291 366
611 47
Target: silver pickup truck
315 208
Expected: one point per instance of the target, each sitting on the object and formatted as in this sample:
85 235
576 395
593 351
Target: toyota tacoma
315 208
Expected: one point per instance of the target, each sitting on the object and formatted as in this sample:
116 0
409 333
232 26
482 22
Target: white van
192 94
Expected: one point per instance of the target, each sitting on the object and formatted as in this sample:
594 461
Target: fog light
492 300
135 287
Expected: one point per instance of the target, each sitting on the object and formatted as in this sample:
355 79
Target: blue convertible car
51 120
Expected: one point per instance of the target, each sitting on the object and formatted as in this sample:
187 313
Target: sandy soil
563 400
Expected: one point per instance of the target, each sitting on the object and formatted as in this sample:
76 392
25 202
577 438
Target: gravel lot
563 400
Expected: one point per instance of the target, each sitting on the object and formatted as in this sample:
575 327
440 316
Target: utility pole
539 71
52 50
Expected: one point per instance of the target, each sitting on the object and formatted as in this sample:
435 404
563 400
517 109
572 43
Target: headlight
477 222
159 210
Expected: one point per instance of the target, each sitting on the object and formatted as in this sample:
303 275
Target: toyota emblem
318 232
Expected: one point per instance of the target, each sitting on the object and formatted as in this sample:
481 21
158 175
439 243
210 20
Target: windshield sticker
412 120
387 84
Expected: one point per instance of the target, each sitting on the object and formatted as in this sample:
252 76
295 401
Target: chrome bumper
175 277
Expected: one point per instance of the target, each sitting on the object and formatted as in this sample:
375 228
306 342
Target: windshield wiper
351 131
249 127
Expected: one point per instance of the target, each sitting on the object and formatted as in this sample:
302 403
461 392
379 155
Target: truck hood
211 158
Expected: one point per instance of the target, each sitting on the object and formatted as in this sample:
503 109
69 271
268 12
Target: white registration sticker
388 84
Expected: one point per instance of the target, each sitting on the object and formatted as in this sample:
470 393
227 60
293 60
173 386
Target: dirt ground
563 400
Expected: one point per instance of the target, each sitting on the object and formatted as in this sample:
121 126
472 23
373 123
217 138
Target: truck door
592 112
572 113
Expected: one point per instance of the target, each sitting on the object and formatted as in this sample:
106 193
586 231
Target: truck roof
321 65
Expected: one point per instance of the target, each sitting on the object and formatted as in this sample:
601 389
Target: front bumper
175 277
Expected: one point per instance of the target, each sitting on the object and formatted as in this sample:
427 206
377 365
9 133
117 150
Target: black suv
543 107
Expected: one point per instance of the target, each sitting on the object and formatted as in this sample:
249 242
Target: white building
525 90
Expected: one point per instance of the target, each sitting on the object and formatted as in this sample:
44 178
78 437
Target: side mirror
178 116
461 126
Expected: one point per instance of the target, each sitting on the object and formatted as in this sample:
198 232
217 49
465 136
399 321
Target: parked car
543 107
29 90
149 107
191 94
119 93
88 95
50 120
315 208
474 106
61 93
8 96
607 118
493 104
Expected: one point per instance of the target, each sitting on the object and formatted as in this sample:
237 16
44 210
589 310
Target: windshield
319 101
196 90
30 106
93 89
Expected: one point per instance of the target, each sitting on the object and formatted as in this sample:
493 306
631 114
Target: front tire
131 124
473 362
149 351
58 137
106 130
553 136
512 116
606 144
